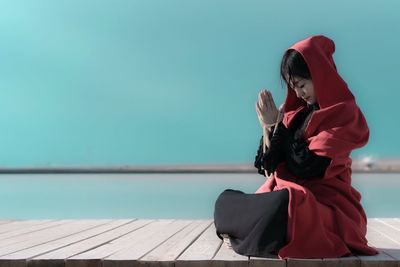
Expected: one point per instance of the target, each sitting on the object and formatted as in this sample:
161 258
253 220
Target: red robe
325 217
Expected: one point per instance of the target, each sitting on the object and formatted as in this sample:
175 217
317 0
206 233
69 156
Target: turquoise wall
125 82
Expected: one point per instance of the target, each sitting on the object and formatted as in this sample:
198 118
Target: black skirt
256 223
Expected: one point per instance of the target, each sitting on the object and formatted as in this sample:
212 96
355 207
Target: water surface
154 195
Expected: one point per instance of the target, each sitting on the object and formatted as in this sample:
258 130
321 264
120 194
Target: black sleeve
257 160
304 163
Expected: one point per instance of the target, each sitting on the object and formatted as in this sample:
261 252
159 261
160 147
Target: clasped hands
266 109
269 115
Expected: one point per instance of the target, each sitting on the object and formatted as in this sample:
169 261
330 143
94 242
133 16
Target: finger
271 101
268 100
266 96
261 94
260 101
260 110
259 98
261 105
265 99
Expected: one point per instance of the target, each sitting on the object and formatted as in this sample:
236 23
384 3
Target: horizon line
386 166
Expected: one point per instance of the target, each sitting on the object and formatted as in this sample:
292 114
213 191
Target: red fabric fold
325 218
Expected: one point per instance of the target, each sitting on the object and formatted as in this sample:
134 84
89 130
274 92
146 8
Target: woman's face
304 89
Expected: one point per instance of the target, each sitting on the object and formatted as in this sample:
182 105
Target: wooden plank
29 229
5 221
9 241
4 227
17 225
12 263
351 261
64 241
159 242
166 253
388 227
91 243
202 251
272 261
390 233
57 257
95 256
47 235
275 261
144 244
379 260
383 244
393 222
115 245
227 257
295 262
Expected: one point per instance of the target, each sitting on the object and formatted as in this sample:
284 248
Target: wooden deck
132 242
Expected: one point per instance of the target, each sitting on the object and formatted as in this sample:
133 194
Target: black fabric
300 161
258 157
257 160
303 163
277 149
256 223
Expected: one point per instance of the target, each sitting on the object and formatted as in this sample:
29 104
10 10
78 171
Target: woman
307 208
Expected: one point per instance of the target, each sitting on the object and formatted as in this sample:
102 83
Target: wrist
267 128
269 125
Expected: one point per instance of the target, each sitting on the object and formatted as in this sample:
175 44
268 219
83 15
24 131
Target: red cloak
325 217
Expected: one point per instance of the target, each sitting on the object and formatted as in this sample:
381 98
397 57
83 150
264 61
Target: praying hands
266 109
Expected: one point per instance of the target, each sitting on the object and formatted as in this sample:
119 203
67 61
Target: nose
299 93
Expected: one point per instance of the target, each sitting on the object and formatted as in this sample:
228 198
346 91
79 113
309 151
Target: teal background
126 82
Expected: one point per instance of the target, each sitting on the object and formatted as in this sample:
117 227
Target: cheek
310 91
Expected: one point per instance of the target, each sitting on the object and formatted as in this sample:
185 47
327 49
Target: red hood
329 87
339 117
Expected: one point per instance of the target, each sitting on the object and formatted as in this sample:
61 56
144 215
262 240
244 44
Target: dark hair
293 64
